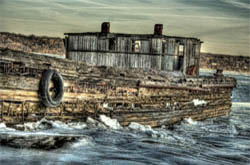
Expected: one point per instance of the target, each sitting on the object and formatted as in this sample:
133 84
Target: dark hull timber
129 95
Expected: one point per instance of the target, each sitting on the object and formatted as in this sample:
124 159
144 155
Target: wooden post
1 104
96 110
23 112
61 109
84 110
9 109
45 112
28 109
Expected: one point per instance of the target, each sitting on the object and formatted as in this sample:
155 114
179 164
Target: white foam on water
198 102
166 136
59 124
163 134
47 124
79 125
82 142
191 121
234 130
30 126
2 125
91 123
139 127
5 128
43 124
111 123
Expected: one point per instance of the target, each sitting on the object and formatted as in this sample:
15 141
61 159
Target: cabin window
179 59
193 50
181 50
164 46
111 44
178 63
136 46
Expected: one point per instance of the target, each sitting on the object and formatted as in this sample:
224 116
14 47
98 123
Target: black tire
47 99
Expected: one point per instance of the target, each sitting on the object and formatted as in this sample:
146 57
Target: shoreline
225 72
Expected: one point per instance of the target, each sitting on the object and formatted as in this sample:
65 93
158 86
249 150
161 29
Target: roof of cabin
143 36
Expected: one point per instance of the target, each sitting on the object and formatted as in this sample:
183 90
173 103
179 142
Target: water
224 140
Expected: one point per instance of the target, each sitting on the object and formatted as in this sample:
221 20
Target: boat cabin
146 51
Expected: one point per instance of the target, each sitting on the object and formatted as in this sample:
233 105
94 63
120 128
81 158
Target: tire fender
47 98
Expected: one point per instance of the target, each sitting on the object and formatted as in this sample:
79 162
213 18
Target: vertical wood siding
154 53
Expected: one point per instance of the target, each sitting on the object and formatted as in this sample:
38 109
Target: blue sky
223 25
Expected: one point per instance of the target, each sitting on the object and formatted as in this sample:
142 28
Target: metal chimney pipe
105 27
158 29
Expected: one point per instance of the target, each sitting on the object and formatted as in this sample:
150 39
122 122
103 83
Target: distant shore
225 72
229 63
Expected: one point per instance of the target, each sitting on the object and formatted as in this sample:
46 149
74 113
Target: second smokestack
105 27
158 29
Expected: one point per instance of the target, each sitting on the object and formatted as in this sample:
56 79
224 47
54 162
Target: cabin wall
80 43
160 53
120 60
197 55
168 56
191 57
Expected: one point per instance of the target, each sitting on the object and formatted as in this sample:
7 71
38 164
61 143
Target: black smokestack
105 27
158 29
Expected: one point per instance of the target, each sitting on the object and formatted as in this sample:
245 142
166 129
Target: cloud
214 21
245 4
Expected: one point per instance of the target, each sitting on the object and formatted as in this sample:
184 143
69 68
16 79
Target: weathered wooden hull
147 97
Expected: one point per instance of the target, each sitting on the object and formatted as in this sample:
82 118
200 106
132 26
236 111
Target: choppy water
224 140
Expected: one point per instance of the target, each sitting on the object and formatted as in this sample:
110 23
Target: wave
83 142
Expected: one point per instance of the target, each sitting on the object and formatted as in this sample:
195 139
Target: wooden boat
139 86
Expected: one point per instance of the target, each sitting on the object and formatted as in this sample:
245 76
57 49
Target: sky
223 25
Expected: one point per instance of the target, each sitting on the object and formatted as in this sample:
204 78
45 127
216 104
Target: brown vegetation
225 62
32 43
